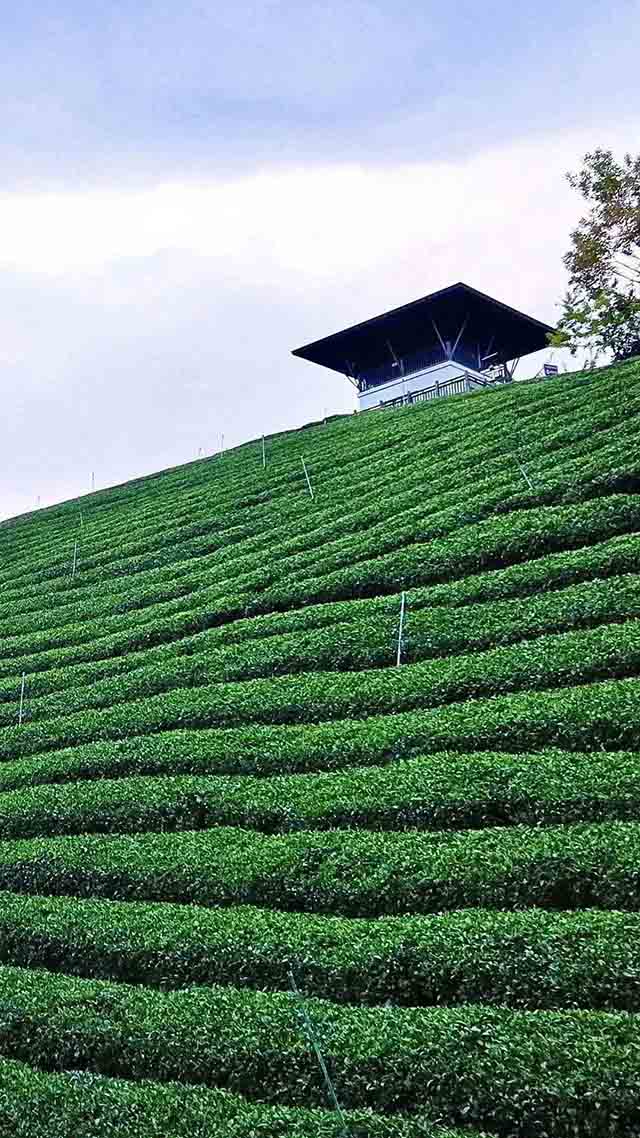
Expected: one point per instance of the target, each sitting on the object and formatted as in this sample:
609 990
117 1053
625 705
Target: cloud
320 220
134 92
139 325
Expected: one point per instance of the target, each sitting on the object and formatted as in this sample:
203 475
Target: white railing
458 386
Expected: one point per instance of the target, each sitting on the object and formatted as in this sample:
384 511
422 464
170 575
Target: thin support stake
525 475
401 630
264 455
313 1039
75 559
93 480
306 474
20 713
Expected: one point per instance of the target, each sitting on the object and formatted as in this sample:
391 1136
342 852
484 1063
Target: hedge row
296 551
590 717
556 660
532 959
517 1073
490 494
436 792
594 421
370 537
183 633
556 571
498 543
557 867
352 646
492 544
81 1104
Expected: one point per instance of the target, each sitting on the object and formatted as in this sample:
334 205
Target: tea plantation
245 808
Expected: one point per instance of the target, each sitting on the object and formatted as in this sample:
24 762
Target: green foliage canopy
601 309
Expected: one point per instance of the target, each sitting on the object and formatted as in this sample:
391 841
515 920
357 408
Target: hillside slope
225 772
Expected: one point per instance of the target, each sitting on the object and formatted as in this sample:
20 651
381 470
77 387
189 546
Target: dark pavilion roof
410 328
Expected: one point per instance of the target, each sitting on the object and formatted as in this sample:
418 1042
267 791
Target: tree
601 309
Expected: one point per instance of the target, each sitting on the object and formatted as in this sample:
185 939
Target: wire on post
313 1040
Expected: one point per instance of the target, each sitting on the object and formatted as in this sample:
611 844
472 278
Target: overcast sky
190 190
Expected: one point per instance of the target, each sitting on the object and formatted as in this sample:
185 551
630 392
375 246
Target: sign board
550 369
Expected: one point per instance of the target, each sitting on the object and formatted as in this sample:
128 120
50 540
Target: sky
190 190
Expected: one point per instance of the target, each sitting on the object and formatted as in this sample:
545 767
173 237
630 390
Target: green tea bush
581 865
528 959
214 774
514 1072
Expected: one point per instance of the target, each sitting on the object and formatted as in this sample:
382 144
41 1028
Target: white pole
21 699
93 480
75 559
306 474
264 455
400 631
528 480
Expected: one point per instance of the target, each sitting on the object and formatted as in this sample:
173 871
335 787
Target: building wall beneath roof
418 381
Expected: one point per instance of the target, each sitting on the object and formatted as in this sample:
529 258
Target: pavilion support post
396 359
442 343
487 355
350 373
460 334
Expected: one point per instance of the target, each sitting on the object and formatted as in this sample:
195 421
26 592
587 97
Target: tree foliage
601 309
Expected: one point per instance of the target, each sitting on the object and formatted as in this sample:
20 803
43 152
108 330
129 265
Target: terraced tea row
484 1066
214 777
602 716
481 502
36 1104
547 662
531 959
498 543
434 792
359 646
176 485
585 450
437 622
555 867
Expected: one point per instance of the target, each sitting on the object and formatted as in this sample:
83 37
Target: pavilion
451 341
